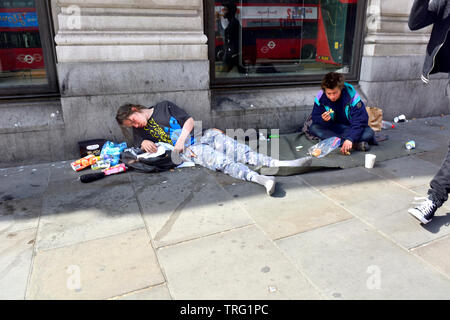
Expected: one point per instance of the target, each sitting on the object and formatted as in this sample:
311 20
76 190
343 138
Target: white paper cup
370 160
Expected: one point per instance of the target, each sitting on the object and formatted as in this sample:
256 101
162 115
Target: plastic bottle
387 124
324 147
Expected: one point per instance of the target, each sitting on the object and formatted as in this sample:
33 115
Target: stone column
392 63
138 51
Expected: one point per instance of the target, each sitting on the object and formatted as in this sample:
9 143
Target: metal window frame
272 81
47 40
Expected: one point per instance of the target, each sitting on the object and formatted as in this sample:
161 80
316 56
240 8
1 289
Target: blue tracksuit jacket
348 110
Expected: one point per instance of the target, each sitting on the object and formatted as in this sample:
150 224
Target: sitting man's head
332 85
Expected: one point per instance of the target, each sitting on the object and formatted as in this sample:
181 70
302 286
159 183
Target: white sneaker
425 211
267 182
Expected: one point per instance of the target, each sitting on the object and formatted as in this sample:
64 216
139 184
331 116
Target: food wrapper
84 162
324 147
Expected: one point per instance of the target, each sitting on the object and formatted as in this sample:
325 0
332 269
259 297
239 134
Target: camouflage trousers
218 152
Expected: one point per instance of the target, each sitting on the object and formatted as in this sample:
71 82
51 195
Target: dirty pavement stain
7 198
9 210
177 212
266 269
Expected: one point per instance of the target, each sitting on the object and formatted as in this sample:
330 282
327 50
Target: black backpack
160 163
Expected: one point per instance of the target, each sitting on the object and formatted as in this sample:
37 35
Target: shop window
265 42
27 64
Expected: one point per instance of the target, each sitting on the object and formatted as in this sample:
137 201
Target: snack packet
324 147
84 162
111 152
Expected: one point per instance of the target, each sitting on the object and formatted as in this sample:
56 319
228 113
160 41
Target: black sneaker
425 211
361 146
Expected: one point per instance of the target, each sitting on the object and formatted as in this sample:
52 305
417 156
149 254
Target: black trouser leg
440 185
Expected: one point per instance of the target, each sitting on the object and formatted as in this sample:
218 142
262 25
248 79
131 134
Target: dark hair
232 9
333 80
127 110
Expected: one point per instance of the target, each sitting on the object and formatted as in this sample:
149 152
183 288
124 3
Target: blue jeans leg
368 135
341 131
321 132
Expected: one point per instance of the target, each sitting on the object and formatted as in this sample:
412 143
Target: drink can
400 118
410 145
84 162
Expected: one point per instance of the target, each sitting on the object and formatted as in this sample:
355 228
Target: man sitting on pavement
339 112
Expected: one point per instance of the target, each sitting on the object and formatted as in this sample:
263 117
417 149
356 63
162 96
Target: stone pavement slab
436 157
97 269
349 260
383 204
294 208
20 214
21 190
407 231
187 204
239 264
16 252
430 134
23 182
329 179
362 193
74 212
434 253
160 292
408 171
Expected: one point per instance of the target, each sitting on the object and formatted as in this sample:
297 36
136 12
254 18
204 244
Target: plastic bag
111 152
324 147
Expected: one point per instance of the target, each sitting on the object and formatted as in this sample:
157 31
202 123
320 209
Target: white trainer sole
270 187
418 215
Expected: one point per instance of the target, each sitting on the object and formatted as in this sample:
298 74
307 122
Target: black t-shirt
165 124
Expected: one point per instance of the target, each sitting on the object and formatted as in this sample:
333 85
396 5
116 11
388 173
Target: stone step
31 131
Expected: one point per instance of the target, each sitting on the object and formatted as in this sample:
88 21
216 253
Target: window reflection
21 55
270 37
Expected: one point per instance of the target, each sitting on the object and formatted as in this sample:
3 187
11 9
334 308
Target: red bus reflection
313 30
20 44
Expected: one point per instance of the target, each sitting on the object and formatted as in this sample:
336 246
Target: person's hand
149 146
346 147
179 147
326 116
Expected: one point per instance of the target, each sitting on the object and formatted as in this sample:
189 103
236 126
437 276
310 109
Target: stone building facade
144 51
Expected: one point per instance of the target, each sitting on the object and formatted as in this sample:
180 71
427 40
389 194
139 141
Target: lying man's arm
185 133
143 143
